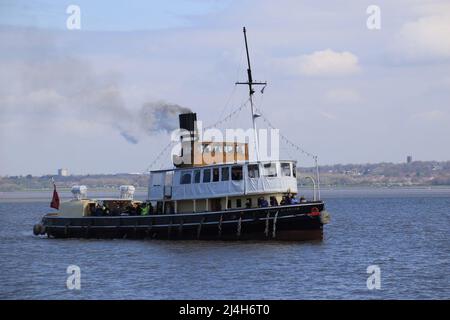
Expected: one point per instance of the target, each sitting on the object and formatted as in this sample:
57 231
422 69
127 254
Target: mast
250 84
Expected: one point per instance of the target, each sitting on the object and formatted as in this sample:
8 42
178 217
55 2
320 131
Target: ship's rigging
255 113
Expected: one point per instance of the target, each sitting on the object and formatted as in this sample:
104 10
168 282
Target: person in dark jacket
138 209
262 202
98 210
273 201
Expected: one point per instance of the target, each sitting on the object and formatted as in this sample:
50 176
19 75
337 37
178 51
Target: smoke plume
151 118
50 85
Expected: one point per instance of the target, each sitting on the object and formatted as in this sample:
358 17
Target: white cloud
428 36
322 63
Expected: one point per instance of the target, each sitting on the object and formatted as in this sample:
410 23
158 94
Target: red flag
55 199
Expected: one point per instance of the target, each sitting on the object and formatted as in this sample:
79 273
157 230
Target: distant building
63 172
408 159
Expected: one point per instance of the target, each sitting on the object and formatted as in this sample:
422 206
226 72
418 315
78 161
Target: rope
227 103
239 227
266 230
229 116
159 155
274 232
285 139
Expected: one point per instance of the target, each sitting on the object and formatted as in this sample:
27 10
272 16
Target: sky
88 99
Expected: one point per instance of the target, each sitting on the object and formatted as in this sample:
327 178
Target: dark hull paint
292 222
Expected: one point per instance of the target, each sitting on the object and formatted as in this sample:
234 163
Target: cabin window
294 170
236 173
253 171
228 204
248 203
285 169
225 173
215 174
270 169
238 203
185 177
196 176
206 175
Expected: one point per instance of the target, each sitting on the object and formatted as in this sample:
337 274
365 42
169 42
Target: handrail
314 187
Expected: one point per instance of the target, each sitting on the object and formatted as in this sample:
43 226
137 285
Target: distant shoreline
416 174
302 187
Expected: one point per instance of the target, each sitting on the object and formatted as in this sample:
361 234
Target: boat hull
292 222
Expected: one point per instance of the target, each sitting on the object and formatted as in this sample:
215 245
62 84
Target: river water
403 232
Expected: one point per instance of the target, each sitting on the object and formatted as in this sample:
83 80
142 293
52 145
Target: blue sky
104 15
338 89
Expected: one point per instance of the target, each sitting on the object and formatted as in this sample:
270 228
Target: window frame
218 174
258 175
183 174
283 166
227 175
199 171
203 175
265 169
241 171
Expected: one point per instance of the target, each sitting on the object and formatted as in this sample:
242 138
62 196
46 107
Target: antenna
250 84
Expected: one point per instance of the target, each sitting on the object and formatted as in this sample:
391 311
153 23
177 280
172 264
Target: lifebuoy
315 212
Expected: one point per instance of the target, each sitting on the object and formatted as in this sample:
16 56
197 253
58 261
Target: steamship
213 191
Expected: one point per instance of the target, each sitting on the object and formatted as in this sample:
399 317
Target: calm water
404 232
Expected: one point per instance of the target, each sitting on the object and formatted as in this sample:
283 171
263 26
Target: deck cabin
221 186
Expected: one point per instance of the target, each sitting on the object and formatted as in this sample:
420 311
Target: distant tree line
417 173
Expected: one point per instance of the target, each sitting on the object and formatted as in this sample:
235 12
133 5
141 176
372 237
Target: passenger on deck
262 202
130 210
294 200
115 210
302 199
150 208
273 201
105 209
289 198
98 210
286 200
138 209
145 209
248 203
